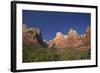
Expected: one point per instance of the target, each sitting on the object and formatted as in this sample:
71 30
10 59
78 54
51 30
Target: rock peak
72 31
32 36
88 29
59 34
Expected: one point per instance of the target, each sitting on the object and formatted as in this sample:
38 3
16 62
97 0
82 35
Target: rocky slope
86 39
59 41
32 36
71 40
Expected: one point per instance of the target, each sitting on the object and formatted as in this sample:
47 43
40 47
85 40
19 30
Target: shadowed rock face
32 36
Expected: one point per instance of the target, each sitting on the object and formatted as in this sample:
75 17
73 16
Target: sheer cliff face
88 33
87 36
59 41
32 36
63 41
71 40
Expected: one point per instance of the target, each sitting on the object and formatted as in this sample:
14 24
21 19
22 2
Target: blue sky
52 22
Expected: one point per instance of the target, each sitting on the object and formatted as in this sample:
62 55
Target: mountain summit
32 36
71 40
59 41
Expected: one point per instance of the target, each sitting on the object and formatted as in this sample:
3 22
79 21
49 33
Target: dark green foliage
86 54
38 53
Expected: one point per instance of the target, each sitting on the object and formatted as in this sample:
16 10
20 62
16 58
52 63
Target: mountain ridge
32 36
72 39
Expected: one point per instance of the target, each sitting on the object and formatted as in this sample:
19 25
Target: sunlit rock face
88 33
63 41
86 39
72 39
32 36
60 40
87 36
